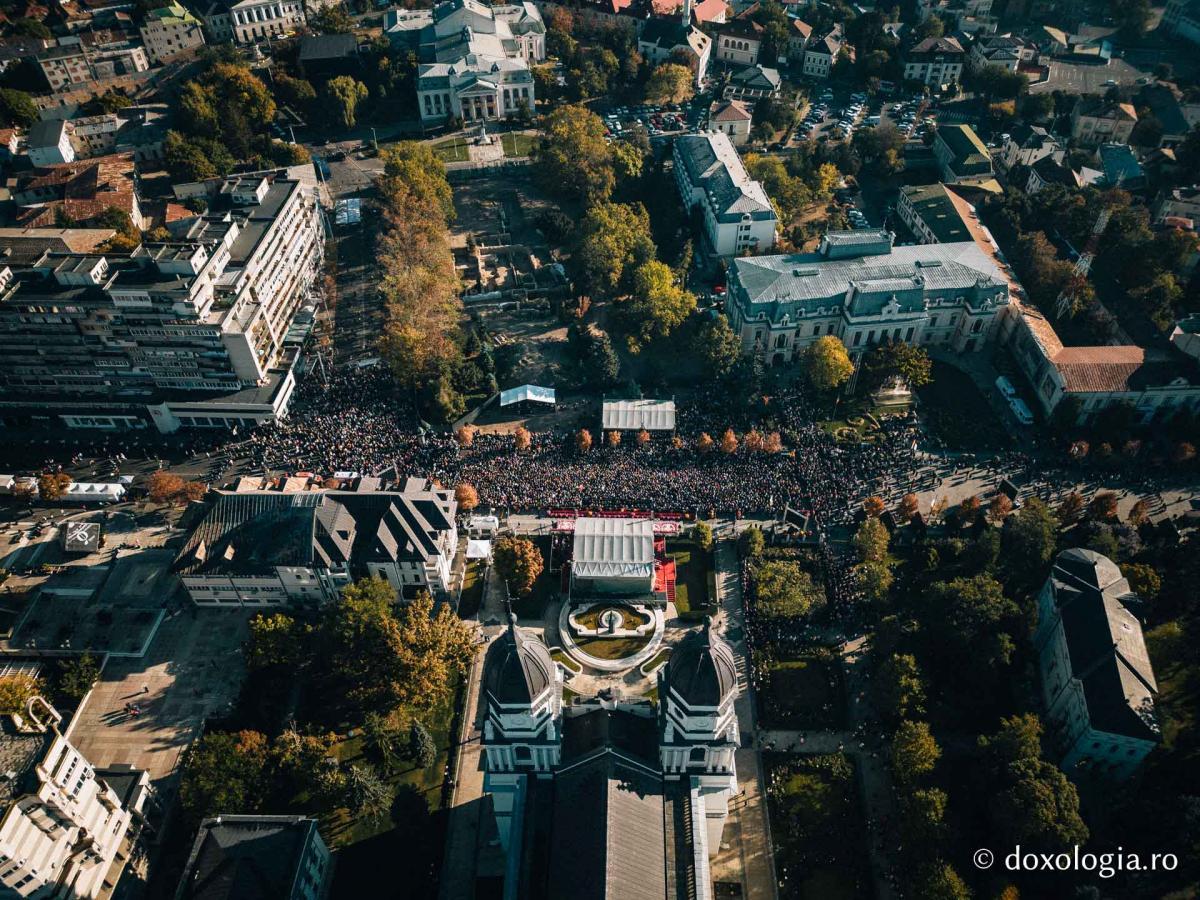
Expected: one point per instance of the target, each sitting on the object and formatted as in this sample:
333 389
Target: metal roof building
613 548
634 415
527 392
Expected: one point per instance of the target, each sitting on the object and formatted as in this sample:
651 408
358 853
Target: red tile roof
1099 369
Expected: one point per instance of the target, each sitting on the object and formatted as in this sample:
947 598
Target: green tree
898 359
77 676
670 83
872 540
1018 738
367 796
716 348
277 640
914 751
340 97
939 881
1035 806
922 814
899 687
332 19
383 659
752 543
827 363
970 623
789 194
1145 582
658 305
421 747
223 771
384 740
1028 538
702 534
784 590
16 691
614 241
17 108
519 562
573 158
875 579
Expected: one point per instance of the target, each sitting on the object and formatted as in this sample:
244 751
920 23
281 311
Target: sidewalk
749 825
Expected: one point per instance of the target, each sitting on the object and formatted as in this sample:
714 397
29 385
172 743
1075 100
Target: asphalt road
1081 78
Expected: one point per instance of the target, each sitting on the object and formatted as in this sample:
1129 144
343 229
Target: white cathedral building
606 799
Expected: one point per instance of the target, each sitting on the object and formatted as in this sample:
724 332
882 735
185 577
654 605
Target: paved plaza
193 670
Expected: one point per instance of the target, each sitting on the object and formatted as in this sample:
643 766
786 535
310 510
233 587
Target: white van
1005 387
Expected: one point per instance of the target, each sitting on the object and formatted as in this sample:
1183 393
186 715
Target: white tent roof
608 548
527 392
479 549
634 415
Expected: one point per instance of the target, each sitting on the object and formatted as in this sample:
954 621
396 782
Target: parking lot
658 121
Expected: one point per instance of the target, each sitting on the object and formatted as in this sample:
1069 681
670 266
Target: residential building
473 59
591 794
965 16
10 142
799 34
235 857
738 215
936 62
49 143
1098 686
187 333
329 55
676 40
861 289
256 20
733 117
79 190
739 41
753 83
301 548
821 54
1182 18
24 246
218 23
1176 115
1055 169
169 31
934 213
960 154
64 832
1024 146
1183 203
1004 51
69 66
1096 121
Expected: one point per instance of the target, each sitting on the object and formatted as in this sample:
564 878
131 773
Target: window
816 330
857 337
977 327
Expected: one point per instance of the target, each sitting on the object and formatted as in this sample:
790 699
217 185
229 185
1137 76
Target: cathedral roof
701 669
519 668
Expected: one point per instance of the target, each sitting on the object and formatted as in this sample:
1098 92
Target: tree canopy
573 158
827 363
784 590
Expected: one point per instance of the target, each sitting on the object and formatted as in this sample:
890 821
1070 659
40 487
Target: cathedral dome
519 668
701 669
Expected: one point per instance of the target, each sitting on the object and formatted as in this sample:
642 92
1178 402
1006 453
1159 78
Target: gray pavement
194 670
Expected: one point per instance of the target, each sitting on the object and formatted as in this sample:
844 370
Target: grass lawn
691 576
428 782
613 648
956 411
796 692
629 618
656 660
818 826
559 655
472 589
517 144
452 150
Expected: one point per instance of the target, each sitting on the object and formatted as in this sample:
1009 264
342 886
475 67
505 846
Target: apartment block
192 332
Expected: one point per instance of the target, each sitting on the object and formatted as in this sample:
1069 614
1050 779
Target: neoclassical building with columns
606 798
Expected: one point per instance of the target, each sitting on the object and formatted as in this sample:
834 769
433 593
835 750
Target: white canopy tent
479 549
634 415
528 392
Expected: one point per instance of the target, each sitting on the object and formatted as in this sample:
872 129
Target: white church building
606 799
